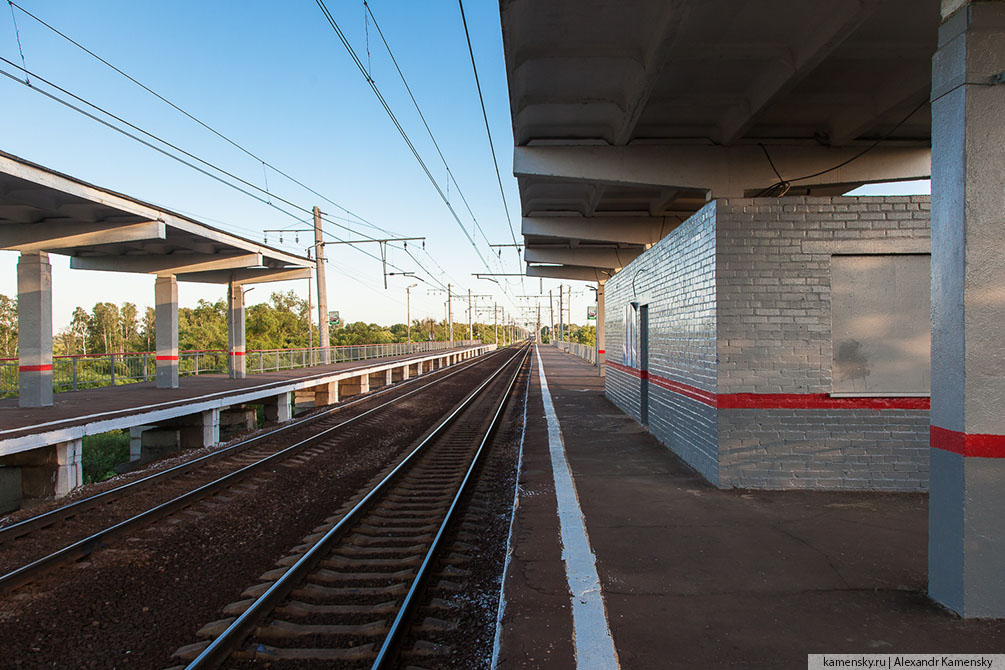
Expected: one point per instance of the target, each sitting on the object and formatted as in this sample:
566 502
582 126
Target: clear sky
275 78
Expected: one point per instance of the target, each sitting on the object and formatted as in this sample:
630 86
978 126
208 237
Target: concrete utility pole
538 335
319 256
495 318
561 313
408 316
471 326
551 311
450 312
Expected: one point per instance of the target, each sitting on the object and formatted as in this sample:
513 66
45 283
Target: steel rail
85 546
399 626
244 625
53 516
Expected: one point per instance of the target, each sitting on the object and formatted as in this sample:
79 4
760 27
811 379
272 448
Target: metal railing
83 371
586 352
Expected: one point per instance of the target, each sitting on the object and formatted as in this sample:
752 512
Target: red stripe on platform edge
166 358
35 368
968 445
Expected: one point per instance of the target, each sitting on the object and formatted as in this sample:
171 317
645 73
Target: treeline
281 323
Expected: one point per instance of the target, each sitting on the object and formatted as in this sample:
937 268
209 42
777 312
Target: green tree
8 326
104 330
79 326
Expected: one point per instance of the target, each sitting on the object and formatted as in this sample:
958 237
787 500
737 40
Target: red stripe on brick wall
972 445
35 368
773 400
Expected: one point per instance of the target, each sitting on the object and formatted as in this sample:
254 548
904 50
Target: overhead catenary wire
264 200
189 115
394 120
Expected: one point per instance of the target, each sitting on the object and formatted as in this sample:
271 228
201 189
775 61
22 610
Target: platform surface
77 407
697 577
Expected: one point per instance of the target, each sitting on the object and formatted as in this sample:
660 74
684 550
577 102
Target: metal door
644 364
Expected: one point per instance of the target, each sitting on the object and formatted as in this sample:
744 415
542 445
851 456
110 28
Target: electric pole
471 327
450 313
408 313
551 310
561 313
319 257
495 319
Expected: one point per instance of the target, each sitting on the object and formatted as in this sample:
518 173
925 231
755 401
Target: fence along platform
45 444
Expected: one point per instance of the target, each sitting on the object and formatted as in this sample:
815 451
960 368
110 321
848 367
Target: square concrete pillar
235 331
279 409
326 394
199 430
10 489
34 329
136 442
966 548
354 386
166 331
69 469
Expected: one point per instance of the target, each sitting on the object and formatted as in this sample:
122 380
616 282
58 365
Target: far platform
697 577
86 412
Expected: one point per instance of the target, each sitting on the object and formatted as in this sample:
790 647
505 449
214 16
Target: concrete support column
166 331
210 427
966 548
69 469
601 351
34 329
279 409
235 331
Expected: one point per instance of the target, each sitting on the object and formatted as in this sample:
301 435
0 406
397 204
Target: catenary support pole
319 256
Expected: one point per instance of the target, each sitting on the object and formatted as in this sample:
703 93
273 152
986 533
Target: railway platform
40 448
622 556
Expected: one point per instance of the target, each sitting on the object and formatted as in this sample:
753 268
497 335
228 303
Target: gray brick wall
676 277
739 301
774 326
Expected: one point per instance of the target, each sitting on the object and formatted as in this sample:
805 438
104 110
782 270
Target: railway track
167 492
345 597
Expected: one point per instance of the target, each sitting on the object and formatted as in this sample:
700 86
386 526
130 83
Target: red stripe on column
601 351
236 353
35 368
972 445
166 358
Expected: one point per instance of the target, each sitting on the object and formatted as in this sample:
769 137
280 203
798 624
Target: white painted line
592 635
509 539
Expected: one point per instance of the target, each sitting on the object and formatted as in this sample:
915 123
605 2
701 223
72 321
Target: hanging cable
177 108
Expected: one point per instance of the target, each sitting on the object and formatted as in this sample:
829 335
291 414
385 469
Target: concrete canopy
43 210
649 108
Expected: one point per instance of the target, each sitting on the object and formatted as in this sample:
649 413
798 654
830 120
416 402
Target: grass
102 453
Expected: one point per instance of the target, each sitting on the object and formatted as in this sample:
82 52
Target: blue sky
274 77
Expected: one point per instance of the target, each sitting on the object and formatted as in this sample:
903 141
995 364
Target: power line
397 125
415 103
189 115
485 116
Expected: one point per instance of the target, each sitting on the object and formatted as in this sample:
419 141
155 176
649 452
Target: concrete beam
725 171
247 275
171 264
52 237
597 258
640 230
831 27
573 272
